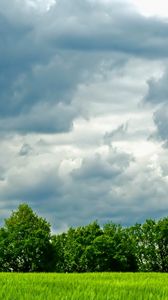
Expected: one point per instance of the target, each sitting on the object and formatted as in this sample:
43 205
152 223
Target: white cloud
152 7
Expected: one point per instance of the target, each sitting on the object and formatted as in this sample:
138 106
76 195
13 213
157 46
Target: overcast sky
83 110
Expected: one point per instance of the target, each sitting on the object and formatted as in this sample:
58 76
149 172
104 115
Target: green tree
162 243
70 247
145 238
25 242
123 253
111 251
59 243
99 256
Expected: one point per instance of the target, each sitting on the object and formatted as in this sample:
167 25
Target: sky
83 110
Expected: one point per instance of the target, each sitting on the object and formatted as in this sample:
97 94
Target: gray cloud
25 150
112 186
112 26
42 118
44 57
158 90
157 95
71 78
103 168
161 121
115 134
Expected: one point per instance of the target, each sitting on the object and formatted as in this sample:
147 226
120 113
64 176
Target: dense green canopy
25 242
26 245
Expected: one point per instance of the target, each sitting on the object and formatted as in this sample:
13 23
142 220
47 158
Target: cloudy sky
83 109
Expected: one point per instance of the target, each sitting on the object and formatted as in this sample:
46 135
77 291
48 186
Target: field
101 286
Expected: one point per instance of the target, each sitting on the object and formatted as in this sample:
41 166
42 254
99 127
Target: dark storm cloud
121 34
45 57
113 26
42 118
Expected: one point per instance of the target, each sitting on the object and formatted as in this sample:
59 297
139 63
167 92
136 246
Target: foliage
70 247
145 241
26 245
162 243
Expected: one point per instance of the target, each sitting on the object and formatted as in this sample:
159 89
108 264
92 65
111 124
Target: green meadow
115 286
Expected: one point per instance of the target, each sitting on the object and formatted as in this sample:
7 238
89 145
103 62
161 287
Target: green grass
100 286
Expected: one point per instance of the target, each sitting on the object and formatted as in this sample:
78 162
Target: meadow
88 286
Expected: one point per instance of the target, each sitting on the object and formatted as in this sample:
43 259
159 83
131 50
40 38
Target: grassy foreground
101 286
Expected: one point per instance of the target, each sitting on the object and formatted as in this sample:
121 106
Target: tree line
27 245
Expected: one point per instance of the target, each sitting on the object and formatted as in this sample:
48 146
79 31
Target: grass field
125 286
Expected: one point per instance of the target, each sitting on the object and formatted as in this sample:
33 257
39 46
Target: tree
70 247
25 242
123 255
99 256
111 251
59 243
162 241
145 238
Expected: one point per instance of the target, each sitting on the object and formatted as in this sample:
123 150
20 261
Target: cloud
161 121
157 95
42 118
158 90
46 57
112 26
74 125
69 189
115 134
25 150
103 168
